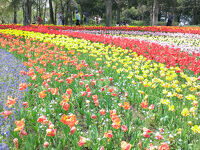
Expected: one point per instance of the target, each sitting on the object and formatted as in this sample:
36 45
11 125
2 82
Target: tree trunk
82 17
2 20
194 12
155 13
51 12
55 16
27 12
66 13
15 15
45 8
118 13
69 12
40 11
62 10
108 4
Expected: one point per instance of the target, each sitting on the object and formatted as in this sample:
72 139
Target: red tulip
93 116
102 112
46 144
124 128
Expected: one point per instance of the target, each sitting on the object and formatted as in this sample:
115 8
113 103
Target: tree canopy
149 12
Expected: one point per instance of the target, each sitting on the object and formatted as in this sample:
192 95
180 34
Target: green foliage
129 14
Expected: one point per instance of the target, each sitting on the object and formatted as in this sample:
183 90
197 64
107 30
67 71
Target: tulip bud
83 93
46 144
81 83
93 116
73 129
102 148
146 135
189 123
22 133
15 141
46 85
89 94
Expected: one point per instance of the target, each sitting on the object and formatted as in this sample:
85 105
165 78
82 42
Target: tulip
22 133
159 137
80 83
46 144
83 93
89 94
163 146
124 128
51 132
151 107
146 135
73 129
125 145
82 141
102 148
102 112
15 141
25 104
93 116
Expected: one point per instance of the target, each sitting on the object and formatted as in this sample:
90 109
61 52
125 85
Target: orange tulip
108 135
69 120
54 91
164 146
94 97
126 105
20 125
42 94
111 90
102 112
11 101
22 86
144 104
6 114
69 91
125 145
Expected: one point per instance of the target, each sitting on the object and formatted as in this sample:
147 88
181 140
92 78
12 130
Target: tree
14 7
27 12
130 14
51 12
141 11
155 13
108 4
119 6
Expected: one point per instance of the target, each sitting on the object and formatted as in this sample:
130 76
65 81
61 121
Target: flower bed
91 95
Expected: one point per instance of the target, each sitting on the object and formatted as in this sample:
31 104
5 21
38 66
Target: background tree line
136 12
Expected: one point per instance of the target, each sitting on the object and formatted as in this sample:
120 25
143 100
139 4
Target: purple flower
10 78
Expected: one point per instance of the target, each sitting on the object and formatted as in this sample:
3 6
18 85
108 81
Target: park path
10 78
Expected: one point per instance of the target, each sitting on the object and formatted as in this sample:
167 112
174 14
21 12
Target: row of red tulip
172 29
